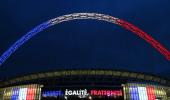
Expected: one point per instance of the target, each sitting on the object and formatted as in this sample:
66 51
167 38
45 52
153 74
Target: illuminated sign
106 92
80 93
52 93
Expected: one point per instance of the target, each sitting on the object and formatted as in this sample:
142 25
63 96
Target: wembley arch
154 43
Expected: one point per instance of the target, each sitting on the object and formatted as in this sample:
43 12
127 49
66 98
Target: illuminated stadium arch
75 16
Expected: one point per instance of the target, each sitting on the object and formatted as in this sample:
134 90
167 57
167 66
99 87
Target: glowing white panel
140 93
24 93
145 96
21 95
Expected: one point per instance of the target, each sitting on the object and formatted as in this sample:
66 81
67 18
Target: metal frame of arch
75 16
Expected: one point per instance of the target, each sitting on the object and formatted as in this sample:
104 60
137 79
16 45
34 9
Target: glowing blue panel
134 95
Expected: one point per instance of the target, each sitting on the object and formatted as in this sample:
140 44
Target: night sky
84 44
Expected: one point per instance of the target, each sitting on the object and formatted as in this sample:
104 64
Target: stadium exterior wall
128 85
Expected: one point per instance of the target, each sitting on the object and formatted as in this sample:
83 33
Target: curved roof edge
60 73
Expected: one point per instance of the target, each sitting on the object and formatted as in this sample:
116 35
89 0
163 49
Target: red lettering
93 92
106 92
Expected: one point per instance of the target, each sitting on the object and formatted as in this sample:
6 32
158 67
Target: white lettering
80 93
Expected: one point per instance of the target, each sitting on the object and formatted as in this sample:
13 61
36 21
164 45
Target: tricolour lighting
75 16
144 92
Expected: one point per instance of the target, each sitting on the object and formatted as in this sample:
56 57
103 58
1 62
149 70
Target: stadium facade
85 85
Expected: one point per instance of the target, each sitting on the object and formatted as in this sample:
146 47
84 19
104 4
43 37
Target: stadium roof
84 44
86 75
